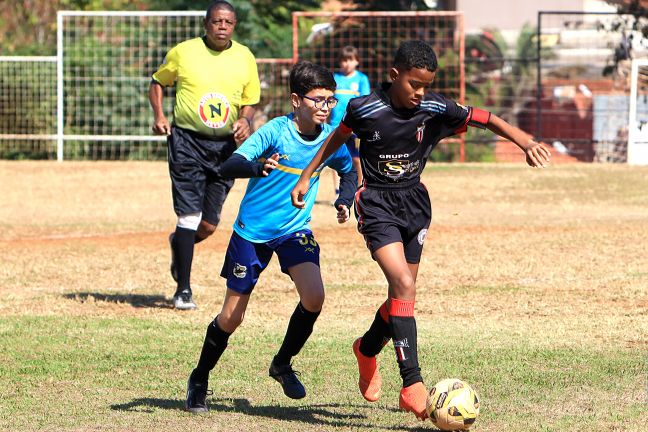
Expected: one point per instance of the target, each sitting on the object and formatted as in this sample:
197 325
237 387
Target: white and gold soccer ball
452 405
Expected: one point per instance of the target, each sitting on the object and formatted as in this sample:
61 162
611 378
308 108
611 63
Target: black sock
183 245
299 329
378 334
213 347
403 330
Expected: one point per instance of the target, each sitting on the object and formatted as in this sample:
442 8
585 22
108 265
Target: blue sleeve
261 143
365 87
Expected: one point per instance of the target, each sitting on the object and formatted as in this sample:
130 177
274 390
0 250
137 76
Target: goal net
27 107
638 118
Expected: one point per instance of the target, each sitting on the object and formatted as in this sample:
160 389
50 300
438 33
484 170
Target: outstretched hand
298 192
270 164
537 155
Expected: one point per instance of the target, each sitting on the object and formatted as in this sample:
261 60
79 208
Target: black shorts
194 163
388 215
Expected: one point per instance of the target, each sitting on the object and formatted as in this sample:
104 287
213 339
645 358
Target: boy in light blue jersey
267 223
351 83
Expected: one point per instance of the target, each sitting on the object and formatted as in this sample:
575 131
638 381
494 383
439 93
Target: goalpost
638 114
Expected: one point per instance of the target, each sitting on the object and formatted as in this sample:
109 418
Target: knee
313 301
404 286
205 229
229 322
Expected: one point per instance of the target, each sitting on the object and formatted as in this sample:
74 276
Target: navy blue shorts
196 184
391 214
245 261
352 145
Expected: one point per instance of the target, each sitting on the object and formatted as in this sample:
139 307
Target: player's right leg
366 348
188 182
244 262
214 344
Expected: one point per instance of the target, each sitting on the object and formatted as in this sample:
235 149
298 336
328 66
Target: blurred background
74 74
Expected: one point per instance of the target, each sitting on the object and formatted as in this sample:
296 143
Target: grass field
533 287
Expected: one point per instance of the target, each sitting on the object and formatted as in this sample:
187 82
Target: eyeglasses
319 102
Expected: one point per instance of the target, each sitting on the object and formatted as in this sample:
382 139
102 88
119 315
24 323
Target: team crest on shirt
354 86
214 110
419 132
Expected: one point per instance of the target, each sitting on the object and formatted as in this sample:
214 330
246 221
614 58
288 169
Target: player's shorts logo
239 270
214 110
421 236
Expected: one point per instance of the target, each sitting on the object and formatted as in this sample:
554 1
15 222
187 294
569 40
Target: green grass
81 373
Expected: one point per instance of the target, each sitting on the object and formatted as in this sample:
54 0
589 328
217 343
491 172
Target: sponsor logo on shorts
421 236
214 110
239 270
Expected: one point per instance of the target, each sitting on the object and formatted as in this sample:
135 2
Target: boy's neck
350 74
306 128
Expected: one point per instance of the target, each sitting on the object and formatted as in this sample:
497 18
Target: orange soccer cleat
370 380
414 399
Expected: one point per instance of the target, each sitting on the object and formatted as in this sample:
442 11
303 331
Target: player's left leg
401 277
299 257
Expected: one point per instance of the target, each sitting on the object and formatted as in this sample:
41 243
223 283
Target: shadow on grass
336 415
135 300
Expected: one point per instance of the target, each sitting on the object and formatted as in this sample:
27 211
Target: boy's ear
393 74
295 100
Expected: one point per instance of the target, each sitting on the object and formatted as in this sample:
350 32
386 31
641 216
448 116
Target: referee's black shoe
197 397
183 300
287 377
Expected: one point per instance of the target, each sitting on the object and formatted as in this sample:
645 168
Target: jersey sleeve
260 144
455 117
168 71
252 91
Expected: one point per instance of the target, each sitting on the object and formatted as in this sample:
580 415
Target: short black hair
220 4
349 52
416 54
306 76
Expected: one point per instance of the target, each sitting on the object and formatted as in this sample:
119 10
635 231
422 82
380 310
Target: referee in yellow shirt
217 86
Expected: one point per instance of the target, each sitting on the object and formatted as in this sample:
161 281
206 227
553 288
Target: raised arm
331 144
537 154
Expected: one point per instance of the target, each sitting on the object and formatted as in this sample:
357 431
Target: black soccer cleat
197 397
172 266
183 300
287 377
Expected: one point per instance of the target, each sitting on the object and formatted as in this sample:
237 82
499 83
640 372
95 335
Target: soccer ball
452 405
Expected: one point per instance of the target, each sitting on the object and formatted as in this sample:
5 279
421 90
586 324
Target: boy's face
306 109
409 86
348 65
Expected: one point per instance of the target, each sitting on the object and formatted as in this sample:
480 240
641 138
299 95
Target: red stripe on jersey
401 308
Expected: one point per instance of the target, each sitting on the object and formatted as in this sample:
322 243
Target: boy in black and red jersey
398 126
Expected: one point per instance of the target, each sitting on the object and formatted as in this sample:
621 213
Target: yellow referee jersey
211 85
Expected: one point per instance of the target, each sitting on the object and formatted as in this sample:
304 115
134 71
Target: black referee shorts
196 184
390 214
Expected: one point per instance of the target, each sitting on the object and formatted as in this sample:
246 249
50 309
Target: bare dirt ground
563 248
